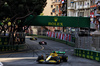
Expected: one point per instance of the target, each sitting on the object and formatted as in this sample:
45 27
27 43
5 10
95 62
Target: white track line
1 64
42 48
16 58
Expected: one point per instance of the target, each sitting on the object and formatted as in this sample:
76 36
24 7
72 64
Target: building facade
48 9
57 11
95 14
78 8
53 8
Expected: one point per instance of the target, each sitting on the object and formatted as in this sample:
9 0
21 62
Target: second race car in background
33 38
43 43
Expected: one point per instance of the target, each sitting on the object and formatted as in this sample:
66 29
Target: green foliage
10 8
41 14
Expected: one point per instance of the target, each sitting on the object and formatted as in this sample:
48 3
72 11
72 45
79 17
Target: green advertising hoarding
57 21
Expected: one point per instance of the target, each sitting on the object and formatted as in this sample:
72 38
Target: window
55 0
51 13
51 6
56 14
53 10
56 8
92 2
80 14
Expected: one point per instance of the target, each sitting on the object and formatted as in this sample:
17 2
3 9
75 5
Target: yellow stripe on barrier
91 53
97 54
83 55
77 51
79 54
3 49
91 57
83 51
87 56
0 43
88 52
97 58
5 43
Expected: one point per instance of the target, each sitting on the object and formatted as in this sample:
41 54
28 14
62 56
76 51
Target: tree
21 8
15 11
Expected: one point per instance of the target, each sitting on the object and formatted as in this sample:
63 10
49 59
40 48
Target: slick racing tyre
40 43
31 38
65 58
45 43
35 38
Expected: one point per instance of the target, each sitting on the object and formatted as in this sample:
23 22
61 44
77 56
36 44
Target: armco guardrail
89 54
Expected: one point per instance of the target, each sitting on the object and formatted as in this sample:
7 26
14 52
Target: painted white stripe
1 64
16 58
40 45
40 49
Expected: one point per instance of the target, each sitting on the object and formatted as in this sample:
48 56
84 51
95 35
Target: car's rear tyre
31 38
58 60
35 38
45 43
65 58
40 43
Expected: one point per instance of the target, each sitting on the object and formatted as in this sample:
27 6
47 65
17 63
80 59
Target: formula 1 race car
33 38
43 43
55 57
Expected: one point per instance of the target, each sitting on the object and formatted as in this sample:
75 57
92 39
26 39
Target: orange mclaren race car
54 57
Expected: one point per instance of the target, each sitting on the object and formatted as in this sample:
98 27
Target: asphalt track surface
28 57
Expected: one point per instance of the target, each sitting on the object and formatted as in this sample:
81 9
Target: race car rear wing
59 52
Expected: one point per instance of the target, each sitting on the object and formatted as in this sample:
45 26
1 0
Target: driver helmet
54 52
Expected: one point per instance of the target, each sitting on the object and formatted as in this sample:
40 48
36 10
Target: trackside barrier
4 40
61 36
89 54
70 39
11 47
